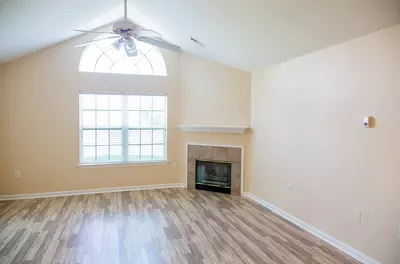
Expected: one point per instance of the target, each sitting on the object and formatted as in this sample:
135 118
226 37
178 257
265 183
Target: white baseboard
321 235
90 191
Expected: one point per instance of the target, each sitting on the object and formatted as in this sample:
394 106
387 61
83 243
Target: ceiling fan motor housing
123 26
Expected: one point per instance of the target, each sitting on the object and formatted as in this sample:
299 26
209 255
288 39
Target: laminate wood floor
154 226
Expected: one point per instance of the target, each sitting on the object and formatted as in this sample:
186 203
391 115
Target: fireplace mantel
214 129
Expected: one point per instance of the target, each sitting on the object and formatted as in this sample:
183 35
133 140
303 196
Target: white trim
214 129
124 164
217 145
214 145
123 93
309 228
90 191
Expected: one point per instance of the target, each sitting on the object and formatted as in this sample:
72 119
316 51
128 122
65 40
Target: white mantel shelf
214 129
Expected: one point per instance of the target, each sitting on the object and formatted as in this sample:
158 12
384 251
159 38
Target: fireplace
215 168
213 176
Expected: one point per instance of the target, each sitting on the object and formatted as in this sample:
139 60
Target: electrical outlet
359 216
289 187
174 165
17 174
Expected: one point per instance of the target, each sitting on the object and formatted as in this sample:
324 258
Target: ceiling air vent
197 41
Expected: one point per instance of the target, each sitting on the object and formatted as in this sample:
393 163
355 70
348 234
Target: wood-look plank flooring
154 226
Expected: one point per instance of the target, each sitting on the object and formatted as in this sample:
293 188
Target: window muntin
101 57
122 128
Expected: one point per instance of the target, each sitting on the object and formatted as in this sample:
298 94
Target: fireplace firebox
213 176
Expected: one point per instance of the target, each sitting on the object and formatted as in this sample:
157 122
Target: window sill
130 164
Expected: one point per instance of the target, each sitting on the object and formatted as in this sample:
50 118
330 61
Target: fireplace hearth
213 176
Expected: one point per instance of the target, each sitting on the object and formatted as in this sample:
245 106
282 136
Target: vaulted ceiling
246 34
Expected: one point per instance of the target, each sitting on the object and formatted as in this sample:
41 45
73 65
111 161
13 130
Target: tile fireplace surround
232 155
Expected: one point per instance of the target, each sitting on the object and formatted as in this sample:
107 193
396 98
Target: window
101 57
122 128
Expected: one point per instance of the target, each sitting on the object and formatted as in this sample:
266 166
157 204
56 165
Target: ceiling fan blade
144 32
159 43
90 42
92 31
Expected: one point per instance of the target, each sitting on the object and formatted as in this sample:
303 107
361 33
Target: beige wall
41 119
42 123
2 117
214 94
307 117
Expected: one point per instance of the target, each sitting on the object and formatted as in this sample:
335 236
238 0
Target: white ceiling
246 34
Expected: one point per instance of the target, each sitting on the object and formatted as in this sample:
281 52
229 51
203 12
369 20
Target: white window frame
125 134
157 63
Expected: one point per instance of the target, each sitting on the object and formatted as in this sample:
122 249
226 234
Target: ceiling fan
125 32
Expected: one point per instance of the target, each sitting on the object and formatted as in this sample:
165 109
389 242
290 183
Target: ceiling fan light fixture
130 43
131 53
130 47
117 44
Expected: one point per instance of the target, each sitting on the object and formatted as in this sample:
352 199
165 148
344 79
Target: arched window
101 57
